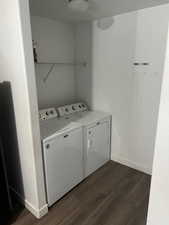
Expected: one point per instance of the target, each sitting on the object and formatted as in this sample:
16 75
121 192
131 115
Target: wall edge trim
131 164
37 212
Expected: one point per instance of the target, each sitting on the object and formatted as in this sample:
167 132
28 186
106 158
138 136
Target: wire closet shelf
53 64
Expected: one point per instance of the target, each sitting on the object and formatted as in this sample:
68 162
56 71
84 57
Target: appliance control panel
46 114
73 108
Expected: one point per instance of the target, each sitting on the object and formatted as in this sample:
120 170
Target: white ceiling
57 9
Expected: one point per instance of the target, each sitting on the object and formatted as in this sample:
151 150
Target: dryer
96 134
62 144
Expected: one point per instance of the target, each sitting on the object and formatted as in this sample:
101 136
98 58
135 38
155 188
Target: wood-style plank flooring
113 195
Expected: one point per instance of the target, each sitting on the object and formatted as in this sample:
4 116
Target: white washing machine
96 134
63 154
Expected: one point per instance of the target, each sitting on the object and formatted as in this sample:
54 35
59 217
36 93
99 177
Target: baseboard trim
43 211
38 213
132 165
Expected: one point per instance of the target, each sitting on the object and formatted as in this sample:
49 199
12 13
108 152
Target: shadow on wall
8 135
83 53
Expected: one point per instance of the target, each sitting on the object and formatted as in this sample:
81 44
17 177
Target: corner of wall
37 212
131 164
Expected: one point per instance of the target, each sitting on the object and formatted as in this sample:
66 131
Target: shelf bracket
49 72
83 64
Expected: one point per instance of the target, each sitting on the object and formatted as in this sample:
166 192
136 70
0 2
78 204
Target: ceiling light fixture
78 5
105 23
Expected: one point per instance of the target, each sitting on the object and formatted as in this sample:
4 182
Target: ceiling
57 9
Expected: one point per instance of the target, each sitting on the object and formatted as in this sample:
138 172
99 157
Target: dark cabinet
7 146
5 208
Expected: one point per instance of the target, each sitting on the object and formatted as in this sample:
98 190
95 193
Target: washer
96 134
62 144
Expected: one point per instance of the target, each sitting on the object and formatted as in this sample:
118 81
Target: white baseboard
37 212
132 165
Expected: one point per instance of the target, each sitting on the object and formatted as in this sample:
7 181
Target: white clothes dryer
96 134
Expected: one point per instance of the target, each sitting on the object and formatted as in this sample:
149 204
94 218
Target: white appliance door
63 158
98 146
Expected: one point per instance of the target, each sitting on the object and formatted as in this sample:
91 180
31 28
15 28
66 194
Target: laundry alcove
122 76
122 73
109 56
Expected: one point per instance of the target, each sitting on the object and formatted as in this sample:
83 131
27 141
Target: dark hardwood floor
113 195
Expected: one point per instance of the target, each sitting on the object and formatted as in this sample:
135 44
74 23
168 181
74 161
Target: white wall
150 46
159 195
83 53
16 66
105 86
114 85
112 77
55 43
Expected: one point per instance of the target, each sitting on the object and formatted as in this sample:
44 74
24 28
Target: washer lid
57 126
